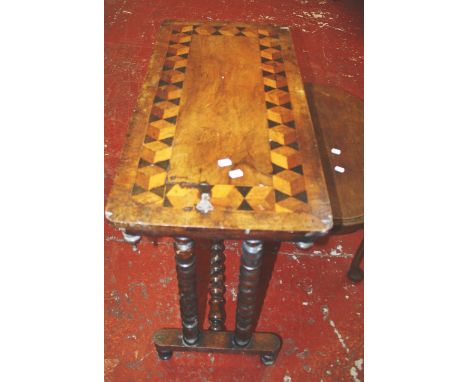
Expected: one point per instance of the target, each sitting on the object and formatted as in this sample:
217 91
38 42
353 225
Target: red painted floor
309 301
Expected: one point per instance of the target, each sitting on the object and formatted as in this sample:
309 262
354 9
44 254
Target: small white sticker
339 169
336 151
224 162
237 173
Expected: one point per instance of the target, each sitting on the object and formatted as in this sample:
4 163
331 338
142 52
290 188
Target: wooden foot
355 273
251 261
217 314
164 354
268 359
185 266
267 345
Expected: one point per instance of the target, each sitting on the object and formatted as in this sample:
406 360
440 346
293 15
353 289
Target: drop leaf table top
222 113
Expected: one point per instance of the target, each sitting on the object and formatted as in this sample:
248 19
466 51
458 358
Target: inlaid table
221 146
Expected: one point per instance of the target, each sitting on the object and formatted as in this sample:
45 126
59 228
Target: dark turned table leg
355 273
185 267
249 276
217 339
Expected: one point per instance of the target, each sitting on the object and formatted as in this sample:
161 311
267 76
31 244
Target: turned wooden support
217 314
185 266
251 261
355 272
241 341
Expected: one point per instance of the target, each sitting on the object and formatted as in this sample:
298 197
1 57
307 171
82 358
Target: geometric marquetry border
286 159
288 191
150 182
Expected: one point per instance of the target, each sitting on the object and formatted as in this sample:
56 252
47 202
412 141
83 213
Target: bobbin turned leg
185 266
251 261
217 314
216 339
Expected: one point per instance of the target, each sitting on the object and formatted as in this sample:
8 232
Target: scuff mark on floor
138 361
211 357
290 346
334 252
115 238
338 334
325 313
165 280
117 14
115 309
354 370
337 251
304 354
326 25
233 293
141 285
359 363
354 374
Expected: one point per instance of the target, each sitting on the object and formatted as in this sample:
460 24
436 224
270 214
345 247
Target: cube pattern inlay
288 193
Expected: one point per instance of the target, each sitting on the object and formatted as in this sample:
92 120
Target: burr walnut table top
223 112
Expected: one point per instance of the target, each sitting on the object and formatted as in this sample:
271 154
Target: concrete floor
309 301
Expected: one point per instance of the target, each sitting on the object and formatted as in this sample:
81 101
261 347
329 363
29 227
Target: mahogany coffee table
221 146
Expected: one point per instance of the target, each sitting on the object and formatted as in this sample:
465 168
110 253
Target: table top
338 119
223 114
